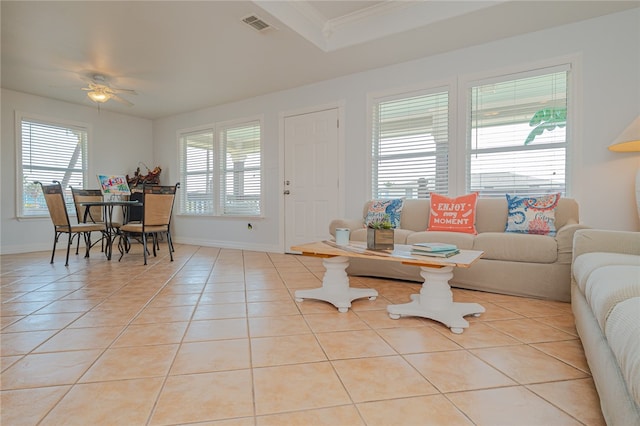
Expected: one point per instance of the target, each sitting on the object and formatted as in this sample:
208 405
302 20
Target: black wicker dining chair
93 214
54 197
157 208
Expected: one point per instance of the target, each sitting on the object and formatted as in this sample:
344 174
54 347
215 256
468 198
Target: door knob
287 192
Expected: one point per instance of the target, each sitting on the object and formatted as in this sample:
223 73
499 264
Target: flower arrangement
152 176
380 233
383 222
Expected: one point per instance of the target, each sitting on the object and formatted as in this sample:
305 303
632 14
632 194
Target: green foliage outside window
546 119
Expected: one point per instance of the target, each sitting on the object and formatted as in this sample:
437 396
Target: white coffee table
435 300
335 283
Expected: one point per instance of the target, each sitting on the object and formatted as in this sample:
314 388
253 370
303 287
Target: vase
379 239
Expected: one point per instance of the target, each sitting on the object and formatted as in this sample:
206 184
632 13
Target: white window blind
507 151
49 151
241 169
221 170
410 138
197 172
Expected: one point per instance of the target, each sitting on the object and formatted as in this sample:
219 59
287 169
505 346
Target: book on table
434 247
440 253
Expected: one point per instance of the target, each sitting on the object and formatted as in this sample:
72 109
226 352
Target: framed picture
114 185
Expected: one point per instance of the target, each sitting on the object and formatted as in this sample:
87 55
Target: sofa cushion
453 214
623 334
463 241
609 285
491 214
532 214
415 214
517 247
585 264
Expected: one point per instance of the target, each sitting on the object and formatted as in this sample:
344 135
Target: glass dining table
108 207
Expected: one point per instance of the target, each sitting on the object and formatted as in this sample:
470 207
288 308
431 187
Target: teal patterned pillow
379 209
532 214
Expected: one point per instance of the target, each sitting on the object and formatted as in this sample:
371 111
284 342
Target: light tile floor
216 338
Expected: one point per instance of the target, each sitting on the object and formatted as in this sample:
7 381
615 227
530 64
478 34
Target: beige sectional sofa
605 299
518 264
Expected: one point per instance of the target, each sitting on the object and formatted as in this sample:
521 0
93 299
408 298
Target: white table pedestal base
335 286
435 301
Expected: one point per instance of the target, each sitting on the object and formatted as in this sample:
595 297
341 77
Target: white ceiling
180 56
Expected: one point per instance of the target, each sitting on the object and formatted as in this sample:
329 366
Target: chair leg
127 242
144 247
170 245
87 242
122 245
154 238
55 241
69 248
102 241
169 237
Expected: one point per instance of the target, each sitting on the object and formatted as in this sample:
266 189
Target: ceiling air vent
256 23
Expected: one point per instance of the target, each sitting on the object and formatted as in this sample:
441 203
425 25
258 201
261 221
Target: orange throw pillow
453 214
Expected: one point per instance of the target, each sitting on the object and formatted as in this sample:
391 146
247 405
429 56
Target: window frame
570 64
218 166
459 87
222 171
21 117
374 99
182 195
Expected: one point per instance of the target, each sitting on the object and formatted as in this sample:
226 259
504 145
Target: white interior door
311 186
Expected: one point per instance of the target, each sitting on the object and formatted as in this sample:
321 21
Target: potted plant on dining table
380 234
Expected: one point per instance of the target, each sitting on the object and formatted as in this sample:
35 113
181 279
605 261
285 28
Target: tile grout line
104 350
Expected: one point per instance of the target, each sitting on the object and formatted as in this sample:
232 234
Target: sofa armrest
601 240
345 223
564 239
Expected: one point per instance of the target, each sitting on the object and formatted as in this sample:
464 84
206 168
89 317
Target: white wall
118 142
607 52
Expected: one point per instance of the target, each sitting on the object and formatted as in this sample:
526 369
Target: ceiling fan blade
127 91
121 100
87 80
74 86
99 91
93 86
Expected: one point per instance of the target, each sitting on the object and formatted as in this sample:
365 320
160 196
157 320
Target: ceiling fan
100 91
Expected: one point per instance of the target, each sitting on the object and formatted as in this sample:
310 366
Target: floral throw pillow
453 214
532 214
379 210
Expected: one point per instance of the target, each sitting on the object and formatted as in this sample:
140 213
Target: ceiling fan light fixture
98 96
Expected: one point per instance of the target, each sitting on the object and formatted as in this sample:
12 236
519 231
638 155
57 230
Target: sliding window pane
410 145
197 173
49 151
517 139
241 175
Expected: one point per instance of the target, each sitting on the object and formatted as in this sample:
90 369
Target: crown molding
367 24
